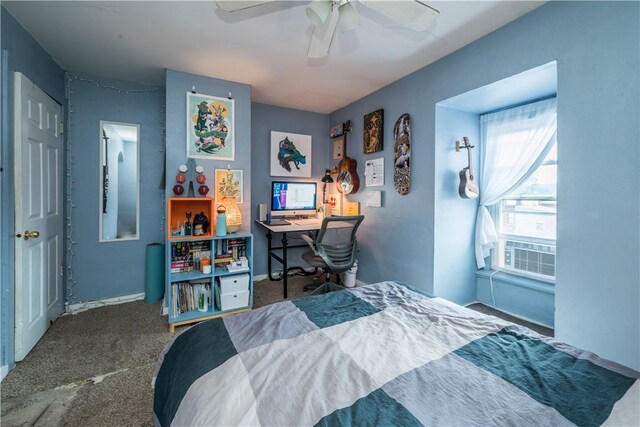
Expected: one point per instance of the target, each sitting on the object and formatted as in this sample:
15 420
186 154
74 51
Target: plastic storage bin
231 300
235 283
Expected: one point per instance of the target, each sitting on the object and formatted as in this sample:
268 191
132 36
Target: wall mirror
119 181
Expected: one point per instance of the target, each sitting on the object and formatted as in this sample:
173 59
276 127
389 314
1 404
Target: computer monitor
289 198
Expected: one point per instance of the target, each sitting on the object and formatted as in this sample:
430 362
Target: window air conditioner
530 258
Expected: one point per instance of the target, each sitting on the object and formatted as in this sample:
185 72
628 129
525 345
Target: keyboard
306 221
278 222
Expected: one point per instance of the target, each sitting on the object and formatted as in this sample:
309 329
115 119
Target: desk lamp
326 179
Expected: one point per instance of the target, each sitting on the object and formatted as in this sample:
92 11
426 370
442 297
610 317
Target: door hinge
61 269
61 127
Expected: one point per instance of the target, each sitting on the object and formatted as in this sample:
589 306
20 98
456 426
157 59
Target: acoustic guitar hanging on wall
468 188
348 181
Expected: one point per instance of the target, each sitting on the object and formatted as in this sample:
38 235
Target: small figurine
188 228
200 224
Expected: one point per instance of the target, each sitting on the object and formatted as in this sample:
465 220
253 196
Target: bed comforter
383 354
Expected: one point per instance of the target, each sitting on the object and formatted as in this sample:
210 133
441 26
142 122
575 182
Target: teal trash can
154 273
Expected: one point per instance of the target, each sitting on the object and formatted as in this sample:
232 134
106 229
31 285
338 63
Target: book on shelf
184 254
188 296
226 246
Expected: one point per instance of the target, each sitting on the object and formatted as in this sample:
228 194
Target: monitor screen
293 196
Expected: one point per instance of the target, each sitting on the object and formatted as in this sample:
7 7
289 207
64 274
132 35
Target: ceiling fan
326 14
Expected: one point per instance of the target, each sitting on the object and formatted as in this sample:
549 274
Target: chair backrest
336 241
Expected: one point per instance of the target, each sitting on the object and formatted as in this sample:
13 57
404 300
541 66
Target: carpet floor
95 368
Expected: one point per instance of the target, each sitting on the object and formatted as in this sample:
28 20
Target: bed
383 354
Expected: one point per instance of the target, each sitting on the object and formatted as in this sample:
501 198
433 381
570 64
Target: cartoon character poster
210 127
290 154
229 184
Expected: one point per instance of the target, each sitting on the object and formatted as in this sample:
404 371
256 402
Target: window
526 220
518 184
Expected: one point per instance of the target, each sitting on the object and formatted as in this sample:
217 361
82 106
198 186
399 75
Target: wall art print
338 149
372 131
229 184
210 127
337 130
290 154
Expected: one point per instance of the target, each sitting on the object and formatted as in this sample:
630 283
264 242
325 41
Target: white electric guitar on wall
468 188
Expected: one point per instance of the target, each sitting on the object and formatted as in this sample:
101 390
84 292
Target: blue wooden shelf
194 316
191 275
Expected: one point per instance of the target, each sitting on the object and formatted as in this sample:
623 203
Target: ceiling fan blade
234 5
412 14
323 35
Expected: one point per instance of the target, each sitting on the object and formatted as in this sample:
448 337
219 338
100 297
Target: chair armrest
309 240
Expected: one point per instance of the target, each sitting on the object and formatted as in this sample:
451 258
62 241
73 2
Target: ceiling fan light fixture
318 11
349 18
323 35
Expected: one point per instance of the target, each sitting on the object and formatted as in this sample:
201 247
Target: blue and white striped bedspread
383 354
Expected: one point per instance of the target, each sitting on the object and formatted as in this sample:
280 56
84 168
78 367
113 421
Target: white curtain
513 143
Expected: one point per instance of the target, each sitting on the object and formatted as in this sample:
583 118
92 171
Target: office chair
333 249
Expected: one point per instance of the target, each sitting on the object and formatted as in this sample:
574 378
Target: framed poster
229 183
210 127
372 131
290 154
338 149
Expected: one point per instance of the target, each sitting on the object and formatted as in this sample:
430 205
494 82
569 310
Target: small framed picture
229 184
337 130
335 202
373 123
338 149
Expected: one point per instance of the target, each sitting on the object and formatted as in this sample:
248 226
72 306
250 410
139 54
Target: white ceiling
264 46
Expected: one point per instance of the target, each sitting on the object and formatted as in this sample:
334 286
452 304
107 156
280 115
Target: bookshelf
194 294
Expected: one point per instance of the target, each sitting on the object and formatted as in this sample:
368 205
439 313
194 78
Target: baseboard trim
84 306
3 372
517 316
259 277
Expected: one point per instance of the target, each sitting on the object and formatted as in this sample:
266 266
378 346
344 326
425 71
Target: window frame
496 211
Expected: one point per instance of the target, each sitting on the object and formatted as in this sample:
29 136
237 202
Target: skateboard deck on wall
402 154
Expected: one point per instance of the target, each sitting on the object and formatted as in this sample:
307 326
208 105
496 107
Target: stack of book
183 255
229 250
186 296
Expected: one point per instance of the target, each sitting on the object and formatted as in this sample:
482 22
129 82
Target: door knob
30 234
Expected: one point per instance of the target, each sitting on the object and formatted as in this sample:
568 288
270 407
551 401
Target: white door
38 214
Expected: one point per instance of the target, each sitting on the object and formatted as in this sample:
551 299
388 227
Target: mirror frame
101 177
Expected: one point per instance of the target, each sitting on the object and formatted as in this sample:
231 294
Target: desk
294 227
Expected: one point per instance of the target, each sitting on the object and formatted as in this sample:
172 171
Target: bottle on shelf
188 228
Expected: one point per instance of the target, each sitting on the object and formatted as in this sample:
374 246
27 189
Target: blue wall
266 118
20 52
597 290
455 217
177 86
526 298
112 269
